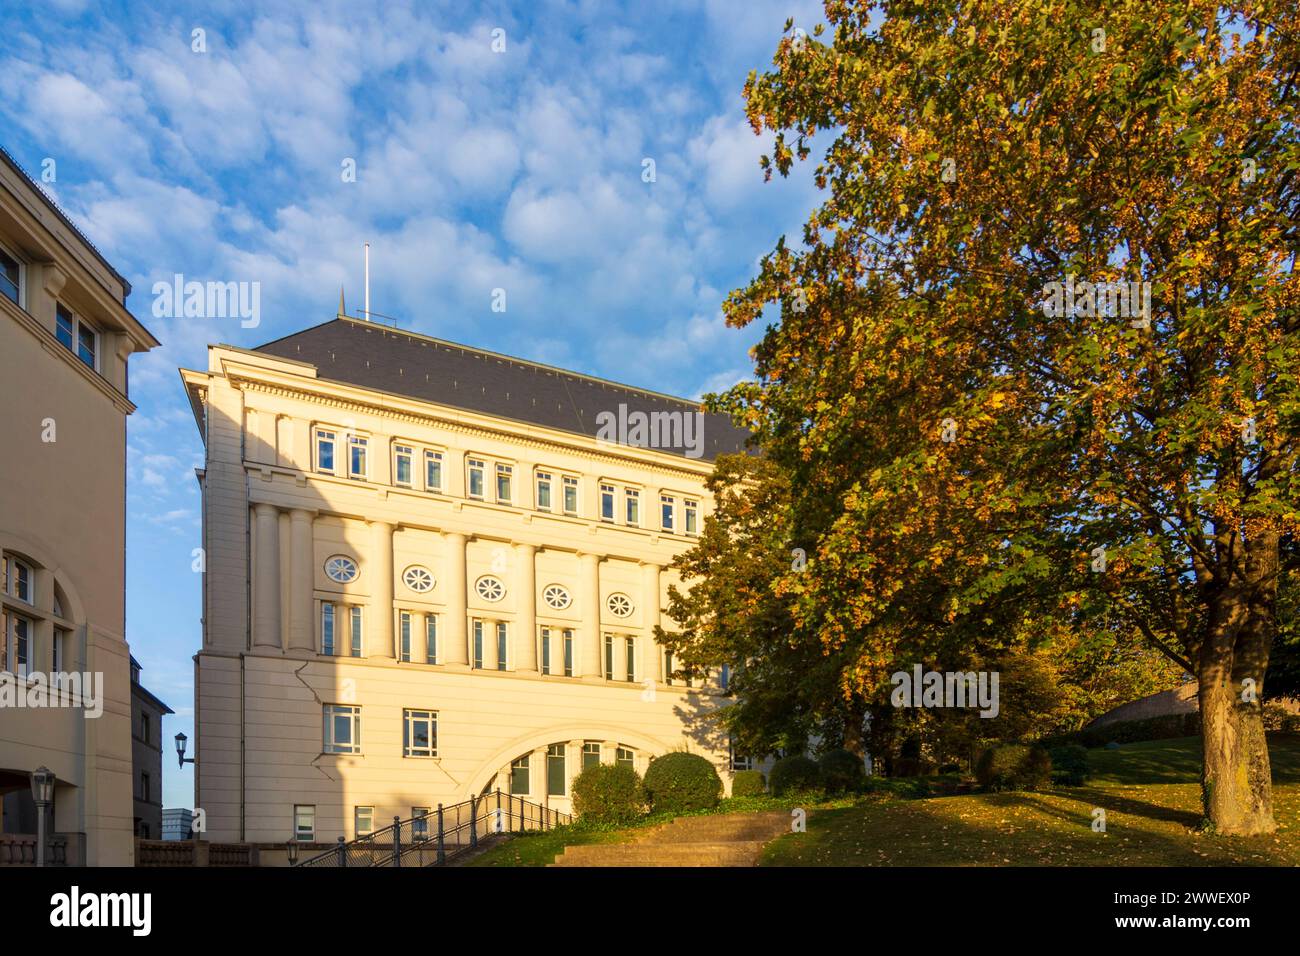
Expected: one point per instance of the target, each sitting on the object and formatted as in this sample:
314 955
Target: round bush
1069 764
609 793
793 774
1014 767
842 771
747 783
680 782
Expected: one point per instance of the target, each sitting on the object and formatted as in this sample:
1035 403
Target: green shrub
842 772
1014 767
680 782
609 793
1164 727
1069 764
794 774
747 783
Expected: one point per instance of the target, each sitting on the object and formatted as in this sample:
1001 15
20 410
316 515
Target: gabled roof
398 362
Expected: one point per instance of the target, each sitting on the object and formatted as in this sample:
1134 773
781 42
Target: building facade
65 338
177 823
430 573
147 713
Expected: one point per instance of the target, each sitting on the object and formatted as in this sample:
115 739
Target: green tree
975 423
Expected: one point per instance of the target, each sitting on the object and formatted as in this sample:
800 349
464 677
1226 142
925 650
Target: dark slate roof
391 360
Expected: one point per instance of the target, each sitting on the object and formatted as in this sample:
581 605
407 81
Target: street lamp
42 794
291 847
180 751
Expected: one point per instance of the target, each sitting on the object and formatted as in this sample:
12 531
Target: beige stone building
433 571
65 337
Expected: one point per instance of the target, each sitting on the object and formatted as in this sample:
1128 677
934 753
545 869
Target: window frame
503 645
431 639
325 436
411 717
632 507
668 513
504 473
402 452
556 758
433 459
301 810
608 494
542 480
20 286
475 466
357 813
570 483
331 713
691 517
358 443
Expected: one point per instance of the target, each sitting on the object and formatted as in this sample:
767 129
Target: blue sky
476 170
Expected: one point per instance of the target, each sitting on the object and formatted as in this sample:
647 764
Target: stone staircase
732 840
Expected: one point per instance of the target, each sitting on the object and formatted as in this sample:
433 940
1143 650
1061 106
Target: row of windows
479 472
18 630
556 643
76 334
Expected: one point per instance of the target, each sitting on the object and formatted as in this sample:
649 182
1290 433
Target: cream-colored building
65 337
429 574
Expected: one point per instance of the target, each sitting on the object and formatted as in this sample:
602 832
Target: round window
418 579
620 605
556 596
490 589
341 568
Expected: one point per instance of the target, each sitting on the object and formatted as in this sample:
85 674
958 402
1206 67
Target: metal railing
443 834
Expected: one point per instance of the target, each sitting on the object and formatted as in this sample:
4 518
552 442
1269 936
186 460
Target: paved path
732 840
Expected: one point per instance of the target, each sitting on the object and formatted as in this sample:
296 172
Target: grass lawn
1150 792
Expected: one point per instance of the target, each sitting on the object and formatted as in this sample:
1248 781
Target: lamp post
180 751
42 792
291 848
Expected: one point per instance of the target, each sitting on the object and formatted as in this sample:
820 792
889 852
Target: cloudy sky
476 170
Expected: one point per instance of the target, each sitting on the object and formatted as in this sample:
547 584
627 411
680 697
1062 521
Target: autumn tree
1039 346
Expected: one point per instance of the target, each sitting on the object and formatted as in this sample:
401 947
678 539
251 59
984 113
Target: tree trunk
1236 780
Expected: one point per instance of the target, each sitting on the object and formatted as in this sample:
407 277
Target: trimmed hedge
1165 727
680 782
794 774
1069 764
609 793
1014 767
842 772
747 783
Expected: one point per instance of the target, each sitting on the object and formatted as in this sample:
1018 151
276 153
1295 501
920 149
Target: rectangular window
433 471
327 629
87 344
504 477
420 733
478 645
420 823
18 641
475 478
357 458
555 778
739 761
146 787
304 823
692 520
568 653
10 277
667 507
546 650
59 637
543 491
629 645
363 821
65 326
342 729
324 451
624 756
405 635
570 495
403 456
430 639
355 614
633 506
144 728
668 667
606 502
519 773
19 578
590 753
609 657
501 646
